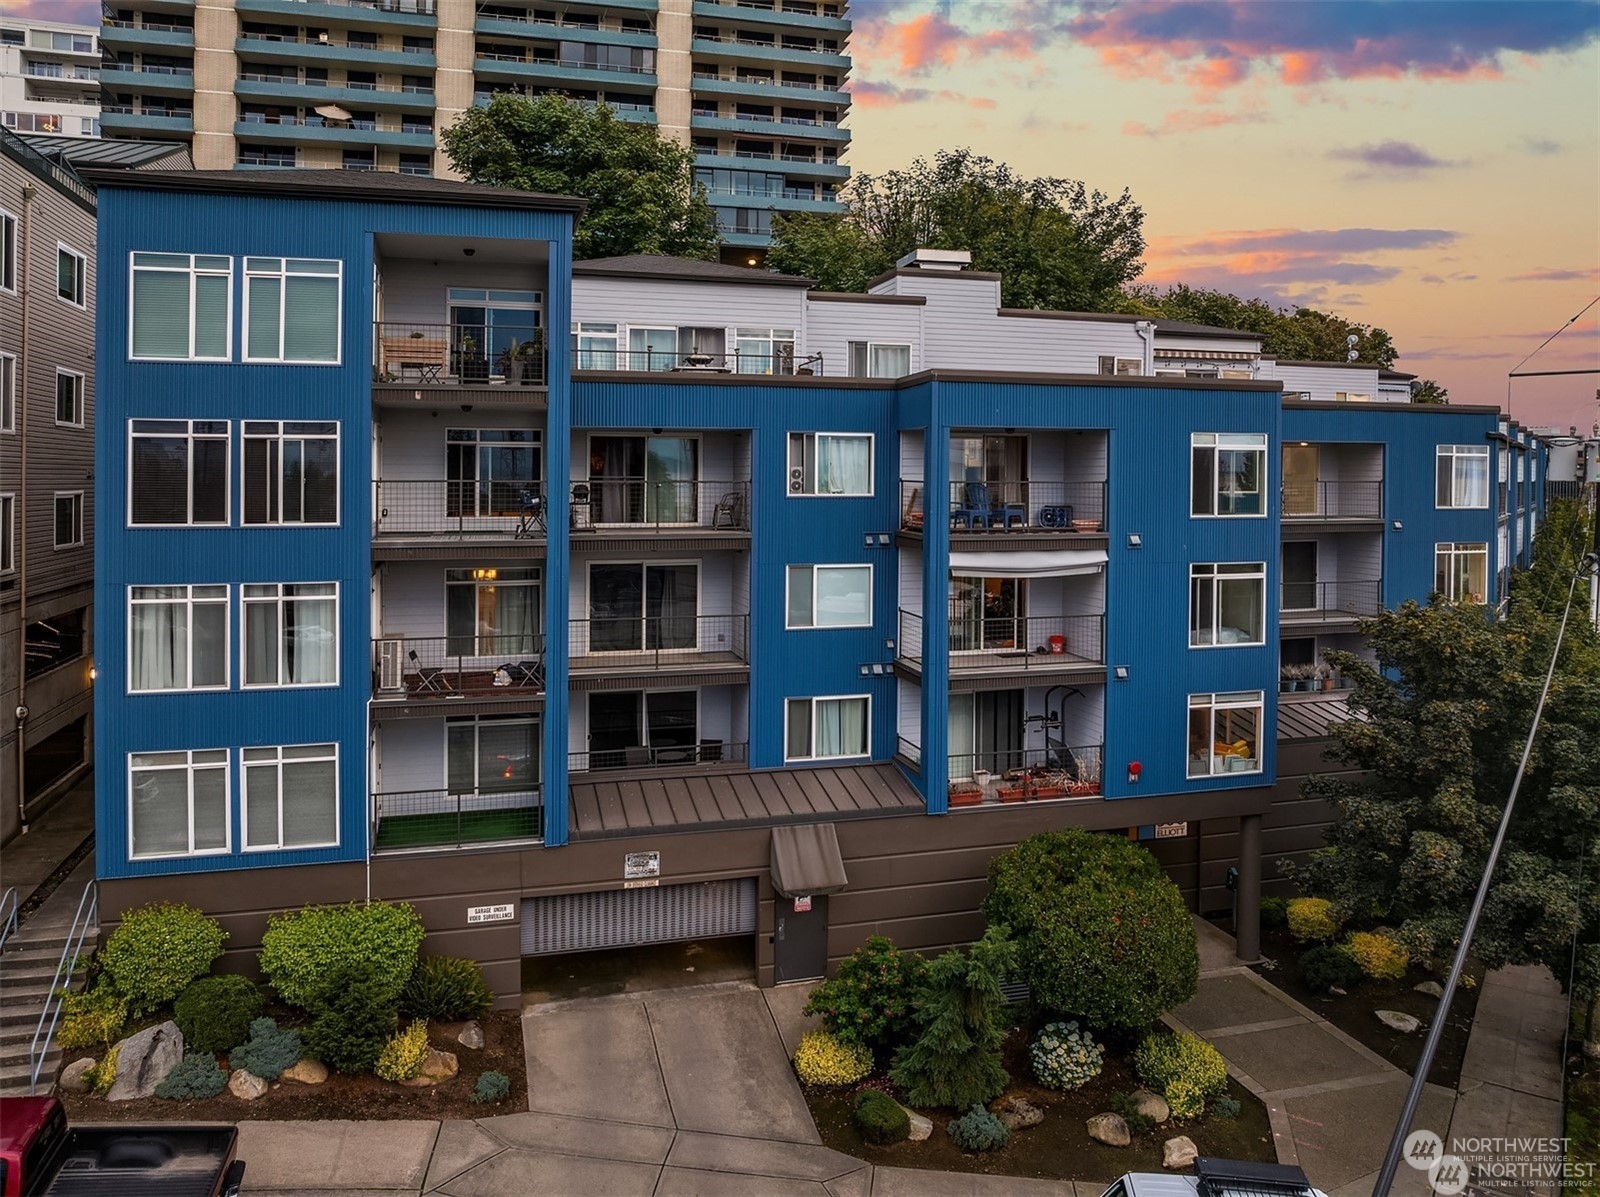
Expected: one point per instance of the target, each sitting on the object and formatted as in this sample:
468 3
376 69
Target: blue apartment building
599 604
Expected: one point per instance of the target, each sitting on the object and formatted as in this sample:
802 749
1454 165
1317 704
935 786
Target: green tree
1056 243
1428 390
642 194
955 1059
1297 334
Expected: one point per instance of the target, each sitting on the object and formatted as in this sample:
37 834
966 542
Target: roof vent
936 259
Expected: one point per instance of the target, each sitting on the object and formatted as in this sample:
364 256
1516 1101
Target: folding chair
731 508
530 516
429 679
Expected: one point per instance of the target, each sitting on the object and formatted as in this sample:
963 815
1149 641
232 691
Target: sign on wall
802 903
1171 831
504 913
636 866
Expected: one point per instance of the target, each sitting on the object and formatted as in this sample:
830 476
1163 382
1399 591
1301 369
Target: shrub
402 1057
1102 932
1274 912
447 988
303 953
822 1059
1063 1057
1226 1107
1326 967
353 1021
1312 919
215 1013
955 1060
195 1076
268 1050
157 950
103 1075
979 1130
1126 1105
92 1017
871 1001
1378 955
491 1087
880 1117
1184 1069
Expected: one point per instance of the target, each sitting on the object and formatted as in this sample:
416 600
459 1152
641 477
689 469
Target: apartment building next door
800 939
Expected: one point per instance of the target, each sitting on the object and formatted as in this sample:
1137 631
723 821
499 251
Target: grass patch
470 827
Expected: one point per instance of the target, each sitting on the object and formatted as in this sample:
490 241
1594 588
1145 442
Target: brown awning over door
806 860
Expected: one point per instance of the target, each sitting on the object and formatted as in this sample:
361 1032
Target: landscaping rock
921 1127
72 1076
1432 988
1396 1021
307 1072
1151 1105
437 1066
246 1086
144 1059
471 1036
1109 1129
1337 992
1179 1152
1018 1113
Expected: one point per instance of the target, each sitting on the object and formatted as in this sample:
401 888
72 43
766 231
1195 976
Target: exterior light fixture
1120 673
865 670
1135 541
1399 527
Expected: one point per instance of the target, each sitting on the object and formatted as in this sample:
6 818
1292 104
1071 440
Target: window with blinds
177 472
291 310
182 309
291 472
178 803
291 796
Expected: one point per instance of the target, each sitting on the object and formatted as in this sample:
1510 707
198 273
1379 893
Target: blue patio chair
974 508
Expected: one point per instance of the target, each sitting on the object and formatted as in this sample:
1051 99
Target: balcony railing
460 508
636 504
989 642
421 819
696 362
908 750
1321 600
1025 775
481 665
1053 507
1333 500
459 354
631 643
663 756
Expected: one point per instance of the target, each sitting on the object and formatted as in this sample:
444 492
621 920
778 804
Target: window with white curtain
178 803
291 796
177 638
828 728
1225 733
1227 603
177 471
830 463
594 345
764 350
291 472
1227 473
652 348
492 612
182 308
291 634
291 310
830 596
869 359
1461 571
1461 476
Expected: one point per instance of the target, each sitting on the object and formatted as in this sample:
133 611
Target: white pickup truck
1218 1178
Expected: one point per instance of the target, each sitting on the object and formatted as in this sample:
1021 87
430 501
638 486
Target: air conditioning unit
391 664
797 480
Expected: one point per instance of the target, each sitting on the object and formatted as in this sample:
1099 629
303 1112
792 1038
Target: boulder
1179 1152
246 1086
921 1127
144 1059
1151 1105
1395 1020
471 1036
1018 1113
436 1066
306 1072
1432 988
1337 992
1109 1129
72 1079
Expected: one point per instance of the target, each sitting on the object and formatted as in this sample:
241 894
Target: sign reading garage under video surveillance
491 914
637 866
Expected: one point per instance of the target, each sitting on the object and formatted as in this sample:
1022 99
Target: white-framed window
8 392
1461 476
830 463
829 596
8 533
8 251
69 519
491 755
764 350
647 606
1227 603
1352 396
594 345
290 473
290 796
178 803
177 638
1122 365
1461 571
492 612
1228 474
69 399
1225 733
820 729
652 348
177 472
873 359
291 633
71 270
292 310
181 307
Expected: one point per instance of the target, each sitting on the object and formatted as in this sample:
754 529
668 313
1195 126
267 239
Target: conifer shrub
955 1059
979 1130
195 1076
445 989
215 1013
880 1118
1327 967
353 1021
403 1056
491 1087
268 1051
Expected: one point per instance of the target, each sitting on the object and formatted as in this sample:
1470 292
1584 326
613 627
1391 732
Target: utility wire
1555 334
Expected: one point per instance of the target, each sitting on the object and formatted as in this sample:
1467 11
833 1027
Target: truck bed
134 1161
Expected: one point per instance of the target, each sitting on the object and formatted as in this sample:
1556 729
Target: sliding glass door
644 479
633 606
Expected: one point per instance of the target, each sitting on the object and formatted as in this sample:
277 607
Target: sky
1428 166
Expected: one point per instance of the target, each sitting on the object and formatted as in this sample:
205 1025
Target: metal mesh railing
1332 500
632 642
1312 600
658 756
458 354
414 819
1037 642
1025 774
695 361
1031 506
460 508
444 667
645 505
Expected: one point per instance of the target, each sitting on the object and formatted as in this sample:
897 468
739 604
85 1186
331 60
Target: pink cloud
930 39
1184 121
865 93
67 12
1556 276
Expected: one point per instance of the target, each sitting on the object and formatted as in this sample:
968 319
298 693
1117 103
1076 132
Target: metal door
619 918
800 942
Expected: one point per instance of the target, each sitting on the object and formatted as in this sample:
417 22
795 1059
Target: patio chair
730 508
530 516
429 679
974 507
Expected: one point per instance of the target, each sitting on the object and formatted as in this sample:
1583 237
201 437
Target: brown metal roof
699 801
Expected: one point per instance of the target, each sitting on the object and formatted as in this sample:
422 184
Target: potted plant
474 365
510 363
1324 677
965 793
1286 679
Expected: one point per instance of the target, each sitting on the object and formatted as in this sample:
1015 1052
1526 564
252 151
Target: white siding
908 705
832 325
1323 382
412 443
1168 346
669 303
413 290
910 575
410 755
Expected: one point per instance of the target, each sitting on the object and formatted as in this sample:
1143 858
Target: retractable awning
1063 563
806 860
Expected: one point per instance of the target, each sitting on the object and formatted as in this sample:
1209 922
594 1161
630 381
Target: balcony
776 14
148 80
765 90
685 756
461 673
629 507
314 130
729 46
1004 777
671 644
147 122
808 165
399 15
768 126
1006 644
1319 602
330 51
1012 508
697 362
1332 501
55 72
146 35
518 69
253 86
475 512
419 820
460 355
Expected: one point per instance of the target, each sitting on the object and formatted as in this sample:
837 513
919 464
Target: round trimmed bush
1274 912
1102 932
446 989
196 1076
1327 967
1063 1057
880 1117
1184 1069
979 1130
353 1021
157 950
303 954
1312 920
1379 956
491 1087
268 1051
215 1013
871 1001
821 1059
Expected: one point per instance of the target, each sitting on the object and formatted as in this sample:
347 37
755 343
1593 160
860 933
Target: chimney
948 261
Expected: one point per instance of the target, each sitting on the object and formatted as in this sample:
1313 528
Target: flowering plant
871 1000
1065 1057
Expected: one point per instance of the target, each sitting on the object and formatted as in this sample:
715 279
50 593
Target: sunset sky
1430 166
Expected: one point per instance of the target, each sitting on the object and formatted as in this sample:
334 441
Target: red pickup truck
41 1156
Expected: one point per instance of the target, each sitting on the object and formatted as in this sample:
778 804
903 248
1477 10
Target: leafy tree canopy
640 186
1428 390
1297 334
1055 243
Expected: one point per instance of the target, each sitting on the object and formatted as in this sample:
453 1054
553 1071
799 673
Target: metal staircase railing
8 915
86 917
